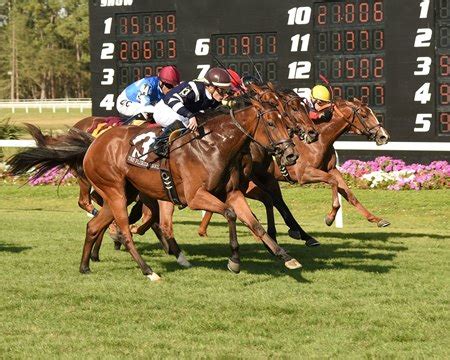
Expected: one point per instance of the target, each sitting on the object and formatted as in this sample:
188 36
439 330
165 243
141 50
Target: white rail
53 104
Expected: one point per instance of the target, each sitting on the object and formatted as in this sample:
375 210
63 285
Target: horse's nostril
291 158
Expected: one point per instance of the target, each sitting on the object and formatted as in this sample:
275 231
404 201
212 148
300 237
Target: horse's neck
332 130
228 138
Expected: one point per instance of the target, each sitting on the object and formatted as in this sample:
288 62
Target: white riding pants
164 115
129 108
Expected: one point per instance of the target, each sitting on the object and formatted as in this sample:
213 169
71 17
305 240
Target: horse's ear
256 103
255 88
271 86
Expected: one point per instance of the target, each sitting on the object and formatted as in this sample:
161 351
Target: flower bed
54 176
388 173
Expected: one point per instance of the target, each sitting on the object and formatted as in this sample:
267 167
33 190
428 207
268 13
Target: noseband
363 120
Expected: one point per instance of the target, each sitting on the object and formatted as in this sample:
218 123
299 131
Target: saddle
100 126
140 155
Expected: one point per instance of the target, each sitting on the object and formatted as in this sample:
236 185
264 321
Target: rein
355 113
274 146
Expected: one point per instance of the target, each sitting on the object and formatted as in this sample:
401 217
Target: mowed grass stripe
366 292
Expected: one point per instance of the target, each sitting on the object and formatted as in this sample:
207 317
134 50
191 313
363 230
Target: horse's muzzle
289 157
382 136
311 136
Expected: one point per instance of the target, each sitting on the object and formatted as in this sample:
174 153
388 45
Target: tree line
44 49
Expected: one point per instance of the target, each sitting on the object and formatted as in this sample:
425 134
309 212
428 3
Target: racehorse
206 171
317 162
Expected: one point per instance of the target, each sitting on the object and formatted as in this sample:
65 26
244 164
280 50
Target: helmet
320 92
249 79
236 82
169 75
218 77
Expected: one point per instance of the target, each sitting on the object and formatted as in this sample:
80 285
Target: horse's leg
95 229
203 200
146 220
117 201
84 198
163 229
351 198
244 213
272 187
313 175
206 219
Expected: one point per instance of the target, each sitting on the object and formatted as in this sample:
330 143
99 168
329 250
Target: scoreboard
394 54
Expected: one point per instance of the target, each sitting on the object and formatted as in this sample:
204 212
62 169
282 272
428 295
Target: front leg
236 199
351 198
203 200
313 175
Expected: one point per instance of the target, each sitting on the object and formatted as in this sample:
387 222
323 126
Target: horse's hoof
311 242
85 270
183 261
153 277
95 258
117 245
329 220
234 267
202 234
383 223
292 264
295 234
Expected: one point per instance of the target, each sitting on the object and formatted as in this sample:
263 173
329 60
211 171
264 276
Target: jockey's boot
160 146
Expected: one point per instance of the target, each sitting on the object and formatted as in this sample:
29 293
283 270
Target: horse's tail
36 133
67 151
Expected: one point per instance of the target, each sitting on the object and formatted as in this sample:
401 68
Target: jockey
319 103
178 108
142 95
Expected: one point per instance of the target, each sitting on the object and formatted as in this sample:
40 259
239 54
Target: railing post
339 221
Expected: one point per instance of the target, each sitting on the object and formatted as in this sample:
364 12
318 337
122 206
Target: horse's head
294 114
362 120
271 132
296 110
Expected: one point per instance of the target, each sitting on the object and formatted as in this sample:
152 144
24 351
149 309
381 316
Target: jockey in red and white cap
142 95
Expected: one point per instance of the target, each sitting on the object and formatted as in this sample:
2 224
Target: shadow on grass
13 249
382 235
256 260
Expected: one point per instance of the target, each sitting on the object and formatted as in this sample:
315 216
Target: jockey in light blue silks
141 96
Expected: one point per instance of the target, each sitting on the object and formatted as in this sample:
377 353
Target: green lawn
364 293
47 120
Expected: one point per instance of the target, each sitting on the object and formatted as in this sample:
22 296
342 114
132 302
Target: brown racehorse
206 171
317 162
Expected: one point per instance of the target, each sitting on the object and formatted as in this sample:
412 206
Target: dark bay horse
206 170
263 185
317 162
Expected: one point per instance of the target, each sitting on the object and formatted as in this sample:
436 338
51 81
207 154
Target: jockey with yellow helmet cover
319 103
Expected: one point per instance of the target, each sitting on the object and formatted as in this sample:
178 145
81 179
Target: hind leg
95 229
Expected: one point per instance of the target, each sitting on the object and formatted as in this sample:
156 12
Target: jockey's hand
192 124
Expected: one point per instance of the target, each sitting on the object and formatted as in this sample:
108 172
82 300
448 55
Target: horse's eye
270 123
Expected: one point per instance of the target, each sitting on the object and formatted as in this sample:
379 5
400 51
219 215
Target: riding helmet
320 92
218 77
170 75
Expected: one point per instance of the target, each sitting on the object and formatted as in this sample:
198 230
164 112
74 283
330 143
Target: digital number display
360 68
444 123
244 44
349 13
443 66
147 50
337 41
234 51
140 24
131 73
370 94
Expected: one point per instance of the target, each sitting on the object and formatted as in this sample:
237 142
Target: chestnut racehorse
317 162
206 171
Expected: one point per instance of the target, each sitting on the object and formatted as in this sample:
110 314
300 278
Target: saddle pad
139 154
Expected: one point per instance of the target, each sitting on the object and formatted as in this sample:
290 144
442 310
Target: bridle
276 148
366 130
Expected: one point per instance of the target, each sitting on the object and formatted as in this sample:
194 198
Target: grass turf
365 292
